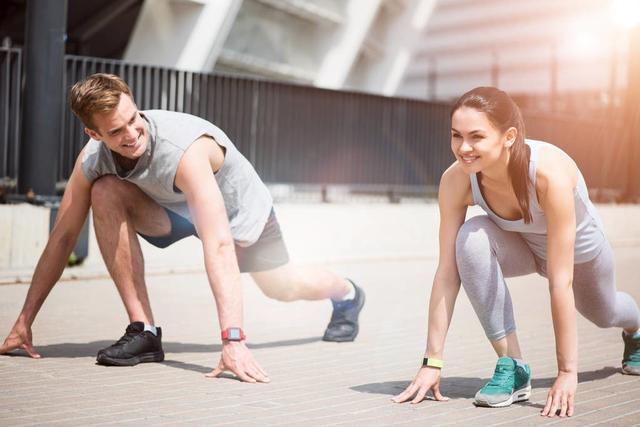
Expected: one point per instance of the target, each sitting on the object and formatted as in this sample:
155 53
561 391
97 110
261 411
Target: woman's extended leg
597 299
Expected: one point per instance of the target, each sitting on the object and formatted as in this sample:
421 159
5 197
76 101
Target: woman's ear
510 137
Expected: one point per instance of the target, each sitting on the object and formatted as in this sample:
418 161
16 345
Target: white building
358 44
416 48
534 47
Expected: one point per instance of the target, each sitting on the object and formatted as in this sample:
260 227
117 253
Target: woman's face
476 143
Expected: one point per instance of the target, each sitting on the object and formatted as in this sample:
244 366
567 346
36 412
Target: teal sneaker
631 357
510 383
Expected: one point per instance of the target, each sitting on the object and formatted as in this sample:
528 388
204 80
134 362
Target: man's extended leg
290 283
120 209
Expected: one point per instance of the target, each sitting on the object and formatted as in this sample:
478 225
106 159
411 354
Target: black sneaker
344 320
135 346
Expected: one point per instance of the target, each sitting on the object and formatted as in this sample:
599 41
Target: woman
539 219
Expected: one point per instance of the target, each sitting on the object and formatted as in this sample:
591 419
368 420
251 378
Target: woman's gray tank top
246 198
589 229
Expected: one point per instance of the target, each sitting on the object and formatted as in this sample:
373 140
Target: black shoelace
128 336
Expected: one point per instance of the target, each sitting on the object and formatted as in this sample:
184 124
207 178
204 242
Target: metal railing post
43 95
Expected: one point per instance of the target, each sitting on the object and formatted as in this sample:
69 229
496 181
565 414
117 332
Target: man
164 176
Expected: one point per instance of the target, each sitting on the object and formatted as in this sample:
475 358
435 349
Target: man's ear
92 134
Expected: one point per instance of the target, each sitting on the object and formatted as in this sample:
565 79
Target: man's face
122 130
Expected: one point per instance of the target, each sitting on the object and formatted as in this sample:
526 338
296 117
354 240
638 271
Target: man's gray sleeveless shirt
246 198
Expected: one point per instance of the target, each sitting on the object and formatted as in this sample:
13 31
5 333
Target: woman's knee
602 317
473 237
602 321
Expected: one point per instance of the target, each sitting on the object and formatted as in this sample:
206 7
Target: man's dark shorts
267 253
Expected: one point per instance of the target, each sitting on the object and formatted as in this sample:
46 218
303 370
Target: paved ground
313 383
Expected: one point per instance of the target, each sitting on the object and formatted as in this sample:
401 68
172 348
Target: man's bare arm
196 180
71 216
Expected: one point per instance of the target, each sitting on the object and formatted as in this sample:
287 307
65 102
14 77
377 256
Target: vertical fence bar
5 106
44 42
17 109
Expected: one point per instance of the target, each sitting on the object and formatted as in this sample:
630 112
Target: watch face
234 334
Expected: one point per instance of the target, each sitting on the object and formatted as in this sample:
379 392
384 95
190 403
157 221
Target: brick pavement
313 383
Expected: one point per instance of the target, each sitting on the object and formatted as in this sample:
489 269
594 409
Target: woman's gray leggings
486 254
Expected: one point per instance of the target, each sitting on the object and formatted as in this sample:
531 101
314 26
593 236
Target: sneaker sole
630 371
353 336
142 358
518 396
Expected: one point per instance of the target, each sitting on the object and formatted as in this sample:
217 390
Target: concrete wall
314 233
24 230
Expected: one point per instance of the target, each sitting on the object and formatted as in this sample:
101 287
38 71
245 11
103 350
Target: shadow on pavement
199 368
191 366
466 387
454 387
90 349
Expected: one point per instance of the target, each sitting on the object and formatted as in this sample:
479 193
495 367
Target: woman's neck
497 175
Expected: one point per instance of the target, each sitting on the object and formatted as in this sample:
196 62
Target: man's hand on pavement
19 337
237 358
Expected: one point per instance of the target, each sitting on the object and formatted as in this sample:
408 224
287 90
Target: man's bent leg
119 210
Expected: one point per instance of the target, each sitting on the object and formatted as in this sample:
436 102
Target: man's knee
277 286
105 190
280 293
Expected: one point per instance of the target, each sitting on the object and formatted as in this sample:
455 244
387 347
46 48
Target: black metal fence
291 134
302 135
596 145
10 94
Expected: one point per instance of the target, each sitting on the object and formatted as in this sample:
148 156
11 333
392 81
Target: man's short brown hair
98 93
